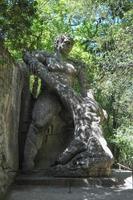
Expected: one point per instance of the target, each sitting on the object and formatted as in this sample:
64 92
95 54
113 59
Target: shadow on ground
93 192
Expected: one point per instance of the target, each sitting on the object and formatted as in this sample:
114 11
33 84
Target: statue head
63 44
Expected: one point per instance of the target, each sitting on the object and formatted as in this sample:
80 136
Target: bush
123 141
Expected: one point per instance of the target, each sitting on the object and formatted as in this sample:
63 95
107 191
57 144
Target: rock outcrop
10 99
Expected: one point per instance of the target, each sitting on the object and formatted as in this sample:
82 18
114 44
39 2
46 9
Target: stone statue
87 153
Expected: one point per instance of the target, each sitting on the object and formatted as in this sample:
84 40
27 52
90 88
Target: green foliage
16 18
123 140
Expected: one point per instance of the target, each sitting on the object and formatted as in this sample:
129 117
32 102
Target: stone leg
32 145
44 110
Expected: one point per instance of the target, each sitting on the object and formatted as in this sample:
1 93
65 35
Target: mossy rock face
10 89
2 62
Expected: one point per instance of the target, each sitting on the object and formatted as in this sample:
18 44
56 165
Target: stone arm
83 81
41 56
53 64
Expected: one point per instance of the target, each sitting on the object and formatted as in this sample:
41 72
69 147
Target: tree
16 17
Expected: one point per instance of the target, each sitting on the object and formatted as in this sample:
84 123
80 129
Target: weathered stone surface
87 153
54 143
10 97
